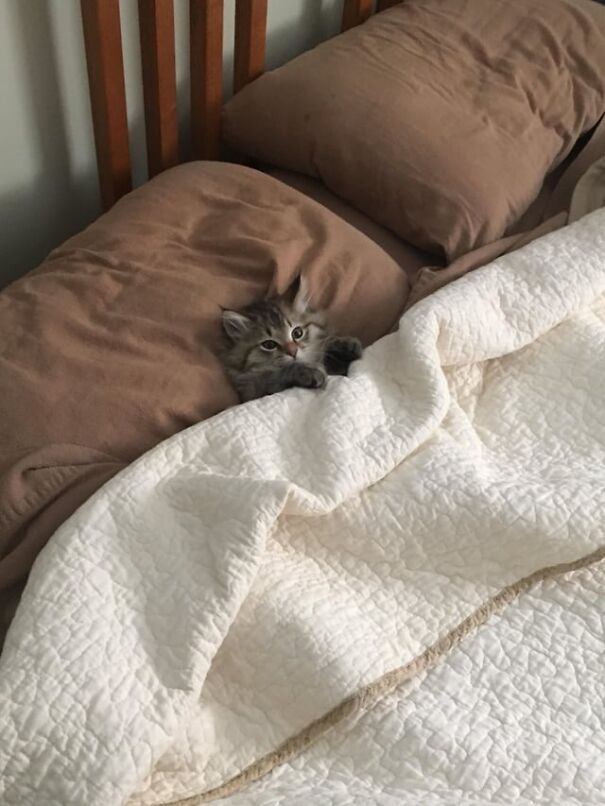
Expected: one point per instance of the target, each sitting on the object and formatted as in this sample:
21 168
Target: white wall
48 183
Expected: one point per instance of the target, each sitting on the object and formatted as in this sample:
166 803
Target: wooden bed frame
102 38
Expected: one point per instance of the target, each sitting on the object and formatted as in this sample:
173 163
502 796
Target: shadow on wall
316 21
50 202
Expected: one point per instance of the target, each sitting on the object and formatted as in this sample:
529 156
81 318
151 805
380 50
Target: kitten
275 345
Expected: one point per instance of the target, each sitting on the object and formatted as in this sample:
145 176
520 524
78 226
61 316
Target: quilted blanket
309 584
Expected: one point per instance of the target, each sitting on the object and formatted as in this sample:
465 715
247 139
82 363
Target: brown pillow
112 344
438 118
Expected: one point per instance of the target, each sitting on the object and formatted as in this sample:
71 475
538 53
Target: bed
387 592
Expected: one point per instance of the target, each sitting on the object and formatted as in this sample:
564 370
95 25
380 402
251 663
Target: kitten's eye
269 344
298 333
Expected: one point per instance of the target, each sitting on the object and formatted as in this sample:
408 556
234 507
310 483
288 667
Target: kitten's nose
292 348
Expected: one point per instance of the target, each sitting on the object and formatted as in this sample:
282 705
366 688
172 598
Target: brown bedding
408 257
439 119
425 272
112 344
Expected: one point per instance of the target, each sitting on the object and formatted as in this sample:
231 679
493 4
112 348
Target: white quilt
232 588
514 715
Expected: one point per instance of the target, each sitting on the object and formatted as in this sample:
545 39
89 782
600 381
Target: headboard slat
206 71
156 28
354 12
250 37
103 42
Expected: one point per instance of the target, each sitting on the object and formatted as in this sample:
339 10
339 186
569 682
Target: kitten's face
274 333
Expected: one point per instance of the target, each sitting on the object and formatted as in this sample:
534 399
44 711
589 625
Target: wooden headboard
103 43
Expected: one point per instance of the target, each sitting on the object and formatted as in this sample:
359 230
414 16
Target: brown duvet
112 344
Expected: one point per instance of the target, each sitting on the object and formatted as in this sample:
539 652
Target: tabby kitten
275 345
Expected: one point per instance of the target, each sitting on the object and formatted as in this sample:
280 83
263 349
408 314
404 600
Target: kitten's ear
235 324
302 300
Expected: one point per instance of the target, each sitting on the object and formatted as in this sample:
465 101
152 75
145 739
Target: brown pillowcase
113 343
438 118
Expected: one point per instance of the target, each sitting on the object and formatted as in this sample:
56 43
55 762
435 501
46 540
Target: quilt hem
367 696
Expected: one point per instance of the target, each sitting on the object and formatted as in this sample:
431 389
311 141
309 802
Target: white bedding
245 577
514 715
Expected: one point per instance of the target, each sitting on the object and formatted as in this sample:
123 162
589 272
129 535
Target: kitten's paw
311 377
354 348
340 353
345 348
319 379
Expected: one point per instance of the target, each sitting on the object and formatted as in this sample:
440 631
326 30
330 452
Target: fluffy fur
277 344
